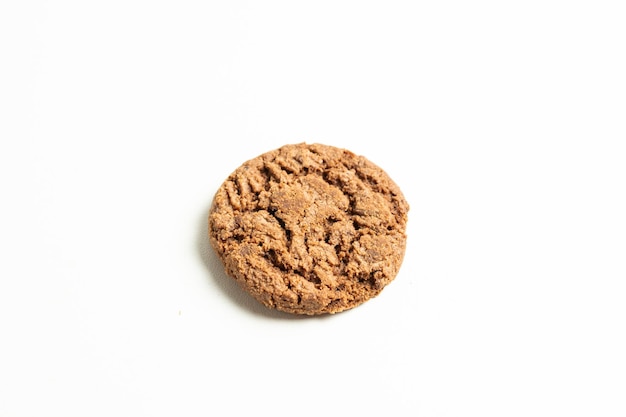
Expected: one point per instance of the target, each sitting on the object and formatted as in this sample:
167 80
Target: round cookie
310 228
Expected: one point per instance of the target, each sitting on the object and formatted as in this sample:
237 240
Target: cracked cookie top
310 228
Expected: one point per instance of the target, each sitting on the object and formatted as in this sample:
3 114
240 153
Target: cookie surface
310 228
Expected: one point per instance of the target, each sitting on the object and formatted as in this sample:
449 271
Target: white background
503 122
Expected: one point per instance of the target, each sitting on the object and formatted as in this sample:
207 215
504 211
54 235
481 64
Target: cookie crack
273 212
269 176
274 259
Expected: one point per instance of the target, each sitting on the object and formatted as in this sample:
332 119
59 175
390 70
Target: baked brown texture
310 228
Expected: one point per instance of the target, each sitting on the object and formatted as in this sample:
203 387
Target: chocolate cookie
310 228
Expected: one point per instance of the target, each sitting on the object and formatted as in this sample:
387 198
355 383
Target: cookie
310 228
